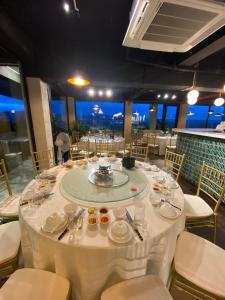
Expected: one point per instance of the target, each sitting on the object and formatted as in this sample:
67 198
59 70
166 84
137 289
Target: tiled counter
200 145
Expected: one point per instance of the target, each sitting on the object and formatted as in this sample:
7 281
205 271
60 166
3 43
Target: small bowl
103 211
70 209
104 220
92 221
92 210
119 212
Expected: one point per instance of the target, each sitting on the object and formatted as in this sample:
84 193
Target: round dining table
118 141
92 261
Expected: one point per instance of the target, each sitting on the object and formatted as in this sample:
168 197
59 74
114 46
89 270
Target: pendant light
219 101
192 96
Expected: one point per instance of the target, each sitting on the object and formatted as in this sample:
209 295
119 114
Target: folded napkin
38 197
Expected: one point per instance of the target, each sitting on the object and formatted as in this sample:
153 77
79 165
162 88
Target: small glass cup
139 213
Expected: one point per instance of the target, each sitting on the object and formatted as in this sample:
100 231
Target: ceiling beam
205 52
153 86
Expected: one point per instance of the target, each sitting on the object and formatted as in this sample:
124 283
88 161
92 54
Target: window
14 142
59 113
216 117
140 116
100 115
171 117
159 116
197 116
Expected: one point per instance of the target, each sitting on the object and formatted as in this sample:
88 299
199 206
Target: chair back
139 152
212 183
150 139
43 159
174 162
112 148
101 147
75 153
4 179
75 137
173 140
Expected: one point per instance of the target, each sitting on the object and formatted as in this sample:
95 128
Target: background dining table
92 262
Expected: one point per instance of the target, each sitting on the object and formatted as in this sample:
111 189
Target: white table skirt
119 142
164 141
93 263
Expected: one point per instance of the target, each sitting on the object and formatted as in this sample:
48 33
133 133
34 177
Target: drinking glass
139 213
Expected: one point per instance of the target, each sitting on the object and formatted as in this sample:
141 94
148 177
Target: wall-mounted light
100 93
158 96
70 6
173 97
152 108
219 101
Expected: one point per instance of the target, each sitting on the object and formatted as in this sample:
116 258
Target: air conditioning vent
173 25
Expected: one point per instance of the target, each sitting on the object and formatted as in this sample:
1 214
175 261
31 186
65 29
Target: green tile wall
197 149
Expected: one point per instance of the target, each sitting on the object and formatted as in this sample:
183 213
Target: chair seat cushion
196 207
171 147
27 284
142 288
10 206
153 145
9 241
201 262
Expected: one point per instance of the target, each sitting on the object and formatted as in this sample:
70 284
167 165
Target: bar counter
200 145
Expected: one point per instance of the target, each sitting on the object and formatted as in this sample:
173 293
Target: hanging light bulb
219 101
192 96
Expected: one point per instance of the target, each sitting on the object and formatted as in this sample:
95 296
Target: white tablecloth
119 141
93 262
164 141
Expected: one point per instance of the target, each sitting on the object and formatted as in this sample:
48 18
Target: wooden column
181 122
128 121
40 113
71 111
153 118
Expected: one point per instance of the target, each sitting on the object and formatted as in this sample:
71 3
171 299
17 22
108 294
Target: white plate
154 168
52 228
169 212
118 240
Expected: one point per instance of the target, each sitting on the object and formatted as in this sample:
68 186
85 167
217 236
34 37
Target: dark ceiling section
54 45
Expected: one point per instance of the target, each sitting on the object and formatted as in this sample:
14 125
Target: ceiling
53 45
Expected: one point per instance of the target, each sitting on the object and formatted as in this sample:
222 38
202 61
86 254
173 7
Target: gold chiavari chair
9 248
101 147
174 163
198 212
123 149
198 268
80 150
111 148
75 137
43 159
172 144
151 141
9 205
139 152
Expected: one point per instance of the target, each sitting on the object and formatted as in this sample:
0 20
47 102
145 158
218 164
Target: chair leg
214 230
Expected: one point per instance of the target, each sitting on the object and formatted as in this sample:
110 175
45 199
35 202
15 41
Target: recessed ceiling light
158 96
91 92
166 96
174 97
100 93
66 7
108 93
78 81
